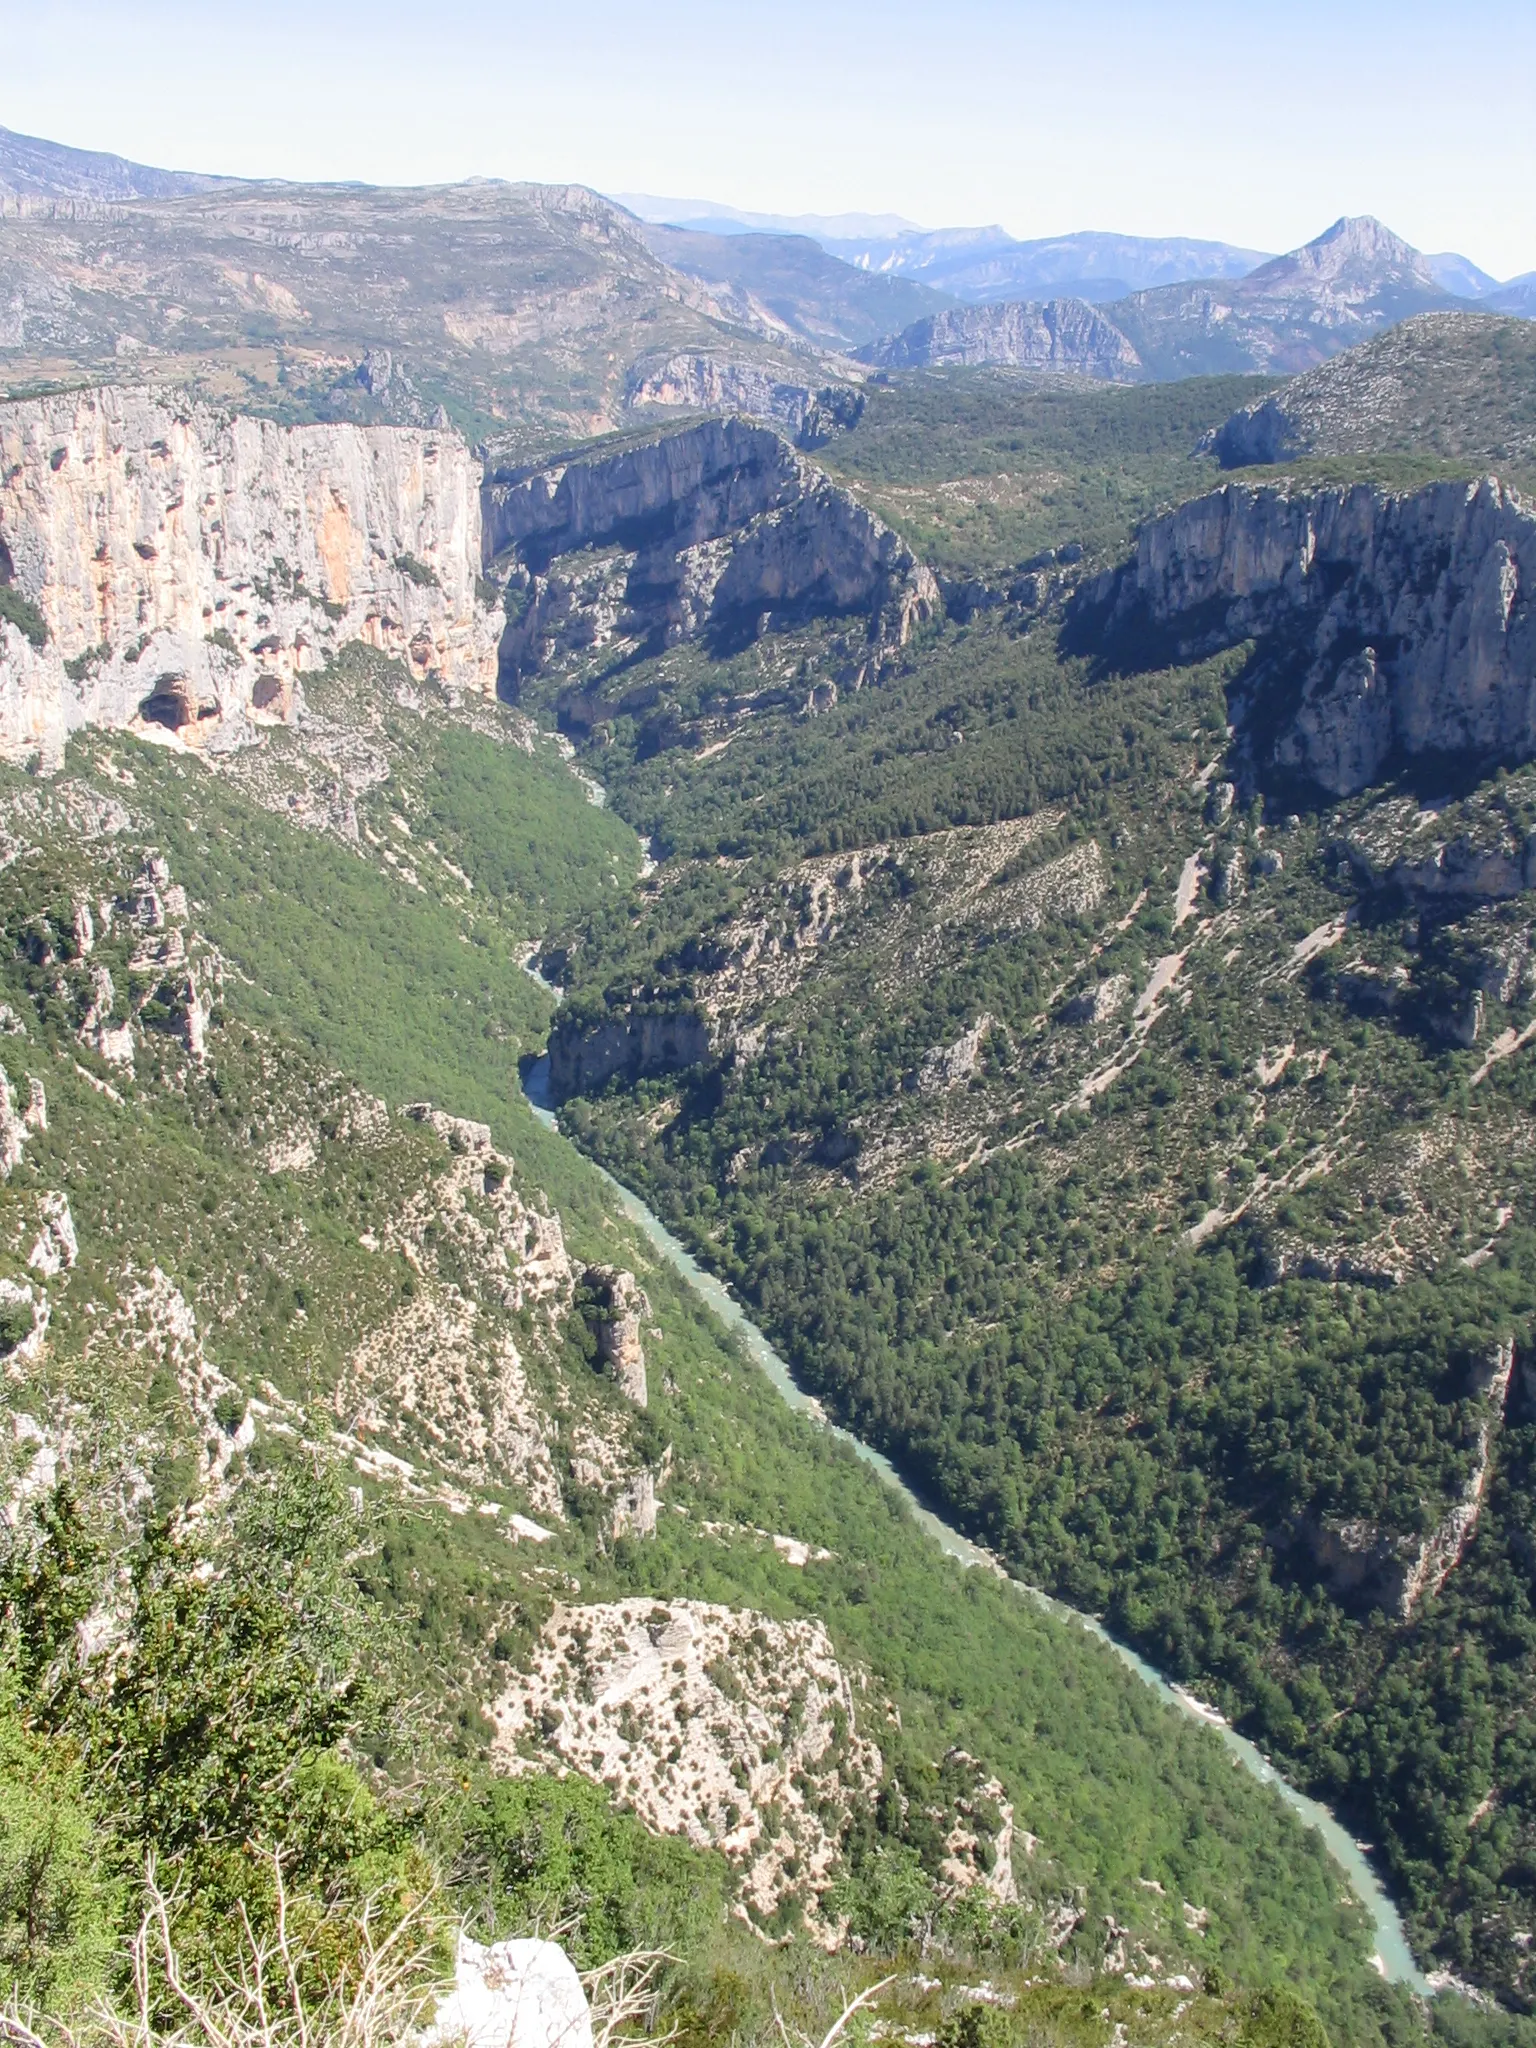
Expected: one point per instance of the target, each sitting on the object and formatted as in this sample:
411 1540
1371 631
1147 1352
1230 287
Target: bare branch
871 1991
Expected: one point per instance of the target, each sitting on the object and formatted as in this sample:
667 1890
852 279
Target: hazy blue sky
1250 121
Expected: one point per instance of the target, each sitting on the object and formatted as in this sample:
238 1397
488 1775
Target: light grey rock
634 1509
375 371
944 1067
513 1994
622 1306
1231 879
1098 1004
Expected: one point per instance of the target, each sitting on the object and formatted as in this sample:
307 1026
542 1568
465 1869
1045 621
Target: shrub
21 612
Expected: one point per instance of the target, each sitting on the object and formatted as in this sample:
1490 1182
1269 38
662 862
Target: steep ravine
1394 1955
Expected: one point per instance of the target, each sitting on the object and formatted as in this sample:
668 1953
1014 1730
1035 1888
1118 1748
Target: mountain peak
1357 248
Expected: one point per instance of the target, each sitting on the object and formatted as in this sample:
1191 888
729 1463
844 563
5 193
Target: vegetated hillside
1452 386
279 1225
792 281
516 311
1141 1159
1288 314
982 469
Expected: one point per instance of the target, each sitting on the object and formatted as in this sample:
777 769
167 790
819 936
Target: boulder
513 1994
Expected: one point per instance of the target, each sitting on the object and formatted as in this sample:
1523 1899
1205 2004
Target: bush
59 1907
21 612
553 1852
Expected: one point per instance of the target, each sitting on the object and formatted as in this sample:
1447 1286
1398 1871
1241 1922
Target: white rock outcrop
190 566
513 1994
621 1307
715 1722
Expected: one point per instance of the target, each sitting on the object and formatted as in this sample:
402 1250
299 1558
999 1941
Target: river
1394 1957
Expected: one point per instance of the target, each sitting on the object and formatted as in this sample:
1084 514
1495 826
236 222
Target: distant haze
1190 118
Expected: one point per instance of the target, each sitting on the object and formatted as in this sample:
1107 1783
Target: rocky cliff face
721 525
1390 627
583 1057
1061 334
190 568
621 1306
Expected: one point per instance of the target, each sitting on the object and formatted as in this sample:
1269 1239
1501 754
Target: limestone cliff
719 526
705 383
189 567
1389 626
620 1305
1061 334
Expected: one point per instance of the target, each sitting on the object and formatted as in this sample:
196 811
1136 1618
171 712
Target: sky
1250 121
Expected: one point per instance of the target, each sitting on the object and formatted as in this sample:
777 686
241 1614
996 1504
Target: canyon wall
1389 626
717 524
189 567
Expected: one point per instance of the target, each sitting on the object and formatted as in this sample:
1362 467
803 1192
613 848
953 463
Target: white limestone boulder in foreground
513 1994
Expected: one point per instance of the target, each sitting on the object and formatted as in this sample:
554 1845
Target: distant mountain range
987 263
525 313
1286 316
709 218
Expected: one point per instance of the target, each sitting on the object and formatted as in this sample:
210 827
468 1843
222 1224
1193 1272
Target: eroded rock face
636 1044
1390 626
190 566
720 525
705 383
621 1307
1059 334
722 1724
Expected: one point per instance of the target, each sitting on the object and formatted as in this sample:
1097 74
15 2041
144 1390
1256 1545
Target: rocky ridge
1448 384
1057 335
186 569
